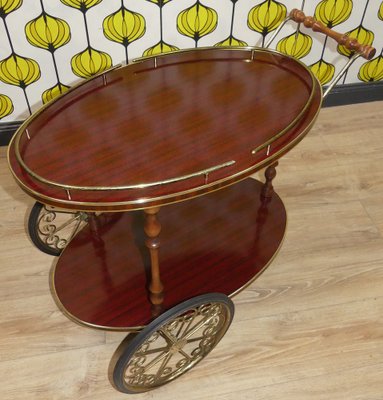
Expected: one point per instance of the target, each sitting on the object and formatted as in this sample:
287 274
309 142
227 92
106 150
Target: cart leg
152 230
270 174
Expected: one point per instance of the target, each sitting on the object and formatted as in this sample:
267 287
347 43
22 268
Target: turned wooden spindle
270 174
152 230
351 44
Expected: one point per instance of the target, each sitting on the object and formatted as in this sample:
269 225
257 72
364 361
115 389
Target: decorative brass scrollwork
176 347
56 229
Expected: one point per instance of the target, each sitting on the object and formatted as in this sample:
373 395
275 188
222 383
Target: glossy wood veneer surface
150 122
215 243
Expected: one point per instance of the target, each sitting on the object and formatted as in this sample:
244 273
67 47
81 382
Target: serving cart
179 132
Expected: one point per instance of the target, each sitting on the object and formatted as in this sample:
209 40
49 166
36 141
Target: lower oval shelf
215 243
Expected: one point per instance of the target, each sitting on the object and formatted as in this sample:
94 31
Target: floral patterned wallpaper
48 45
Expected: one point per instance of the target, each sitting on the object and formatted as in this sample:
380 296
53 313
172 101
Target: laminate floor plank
349 384
292 347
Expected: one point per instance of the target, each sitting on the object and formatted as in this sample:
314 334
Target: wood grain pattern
309 328
217 243
160 120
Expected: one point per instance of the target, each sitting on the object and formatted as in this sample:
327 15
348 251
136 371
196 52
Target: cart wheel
173 343
51 230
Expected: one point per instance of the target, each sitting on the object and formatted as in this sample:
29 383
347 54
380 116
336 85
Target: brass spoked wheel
50 230
173 343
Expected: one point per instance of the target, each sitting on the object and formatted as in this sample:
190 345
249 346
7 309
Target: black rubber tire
163 319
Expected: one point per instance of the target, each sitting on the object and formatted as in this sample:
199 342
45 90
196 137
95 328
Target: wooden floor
311 327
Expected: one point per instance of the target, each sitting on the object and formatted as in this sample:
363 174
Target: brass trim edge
141 203
272 258
78 320
21 130
66 187
139 328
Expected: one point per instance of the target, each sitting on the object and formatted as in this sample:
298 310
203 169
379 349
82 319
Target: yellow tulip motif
330 13
160 3
333 12
124 27
53 92
6 106
197 21
47 32
266 17
160 47
19 71
7 6
297 45
372 70
231 41
363 35
90 62
323 70
82 5
16 70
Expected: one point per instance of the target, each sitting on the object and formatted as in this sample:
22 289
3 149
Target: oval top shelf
165 128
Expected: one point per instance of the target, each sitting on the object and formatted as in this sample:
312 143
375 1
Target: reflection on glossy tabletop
215 243
160 120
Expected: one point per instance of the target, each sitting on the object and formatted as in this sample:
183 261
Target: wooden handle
352 44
